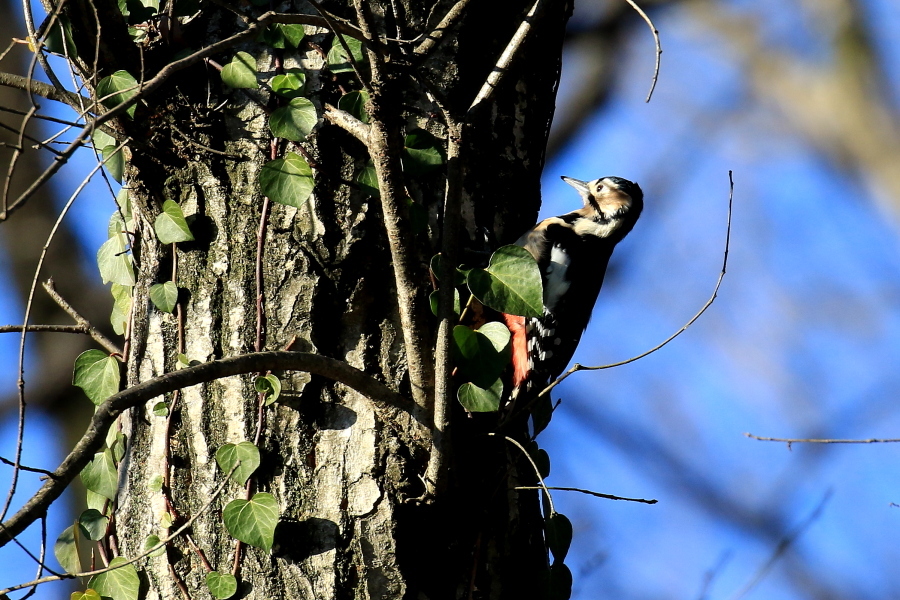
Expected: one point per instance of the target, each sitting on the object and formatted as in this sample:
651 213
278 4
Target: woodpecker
572 252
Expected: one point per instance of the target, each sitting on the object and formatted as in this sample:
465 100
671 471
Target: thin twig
823 440
44 328
537 471
92 331
658 45
110 409
588 492
333 27
6 461
348 123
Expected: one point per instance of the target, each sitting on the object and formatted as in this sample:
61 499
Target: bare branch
348 123
44 329
44 90
89 329
822 440
106 413
500 69
446 24
655 33
588 492
537 471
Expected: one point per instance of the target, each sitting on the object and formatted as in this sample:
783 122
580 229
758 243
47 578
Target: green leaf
118 447
368 180
289 85
459 276
121 307
122 583
101 139
338 61
287 180
119 87
252 521
433 301
560 582
124 203
115 262
559 536
151 542
355 104
240 72
283 35
295 121
96 501
114 161
166 520
171 226
66 548
59 38
269 385
97 373
511 284
164 296
541 414
87 594
138 11
482 355
476 399
156 483
230 454
422 153
94 524
161 409
221 585
100 475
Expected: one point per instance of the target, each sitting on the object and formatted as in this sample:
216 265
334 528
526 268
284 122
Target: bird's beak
579 185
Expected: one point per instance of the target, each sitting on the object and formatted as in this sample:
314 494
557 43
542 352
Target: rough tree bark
347 474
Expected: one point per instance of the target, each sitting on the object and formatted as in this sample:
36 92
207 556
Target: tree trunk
346 473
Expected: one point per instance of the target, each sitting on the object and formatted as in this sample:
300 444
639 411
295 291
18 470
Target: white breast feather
589 227
557 282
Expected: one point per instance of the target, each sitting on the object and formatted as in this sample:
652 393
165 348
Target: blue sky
801 341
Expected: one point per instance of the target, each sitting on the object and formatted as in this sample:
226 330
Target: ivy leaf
290 84
368 180
283 35
119 584
511 284
100 475
138 11
560 582
269 385
151 542
246 453
118 446
171 226
94 524
59 38
559 536
87 594
433 301
459 276
164 296
477 399
355 104
221 585
541 414
483 354
119 87
295 121
161 409
124 203
66 548
252 521
97 373
422 153
338 61
114 261
114 161
287 180
156 483
240 72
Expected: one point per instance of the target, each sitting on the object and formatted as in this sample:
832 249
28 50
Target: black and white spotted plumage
572 252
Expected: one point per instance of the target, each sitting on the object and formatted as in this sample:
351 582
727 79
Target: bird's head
610 197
